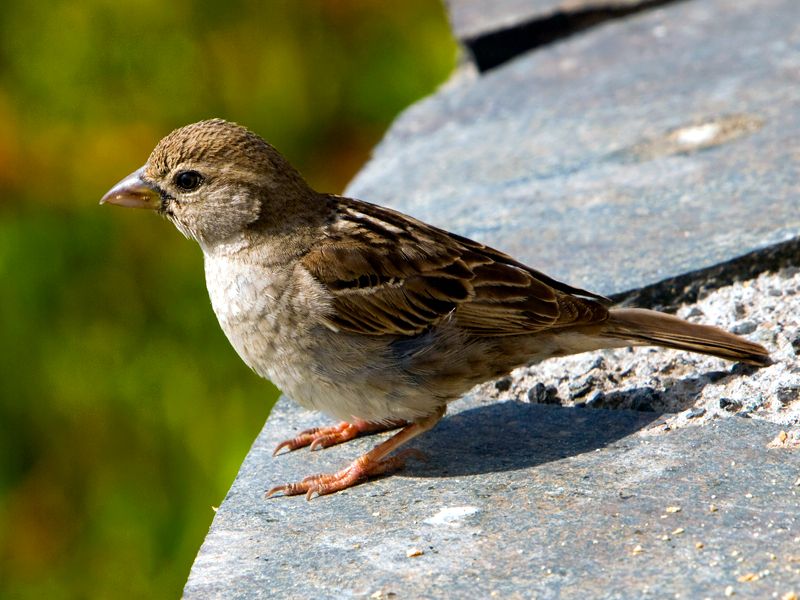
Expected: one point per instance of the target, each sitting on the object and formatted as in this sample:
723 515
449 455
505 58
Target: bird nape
362 312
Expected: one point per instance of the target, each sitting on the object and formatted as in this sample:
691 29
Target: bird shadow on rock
511 435
492 436
508 436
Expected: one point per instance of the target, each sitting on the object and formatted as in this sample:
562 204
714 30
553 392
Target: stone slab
641 150
646 148
517 501
472 18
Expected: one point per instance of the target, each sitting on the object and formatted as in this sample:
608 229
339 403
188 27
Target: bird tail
644 327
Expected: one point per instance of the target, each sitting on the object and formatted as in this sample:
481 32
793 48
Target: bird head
213 180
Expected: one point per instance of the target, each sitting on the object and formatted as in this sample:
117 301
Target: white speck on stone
451 515
697 135
659 31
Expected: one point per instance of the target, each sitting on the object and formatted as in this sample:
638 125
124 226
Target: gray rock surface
647 148
517 501
658 148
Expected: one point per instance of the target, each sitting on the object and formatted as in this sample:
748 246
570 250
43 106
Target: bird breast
254 307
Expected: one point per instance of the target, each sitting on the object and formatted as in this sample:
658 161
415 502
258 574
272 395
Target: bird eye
188 180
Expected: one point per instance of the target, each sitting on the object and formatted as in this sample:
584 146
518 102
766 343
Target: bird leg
370 464
322 437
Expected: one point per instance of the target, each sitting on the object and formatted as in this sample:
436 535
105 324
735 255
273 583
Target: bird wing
388 273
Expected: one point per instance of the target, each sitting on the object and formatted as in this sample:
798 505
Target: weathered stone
515 499
647 149
659 147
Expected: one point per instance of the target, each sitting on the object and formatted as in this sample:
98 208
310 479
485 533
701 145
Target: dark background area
124 413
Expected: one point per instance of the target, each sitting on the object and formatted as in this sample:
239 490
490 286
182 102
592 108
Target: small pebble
580 389
743 369
537 393
744 327
729 404
542 394
503 384
695 412
788 392
597 363
595 400
715 376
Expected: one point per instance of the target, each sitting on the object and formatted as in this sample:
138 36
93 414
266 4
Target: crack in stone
668 294
490 50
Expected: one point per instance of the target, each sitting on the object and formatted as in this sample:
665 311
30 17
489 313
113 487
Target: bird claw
323 437
316 437
360 469
373 463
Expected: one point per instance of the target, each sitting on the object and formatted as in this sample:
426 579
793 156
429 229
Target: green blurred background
124 414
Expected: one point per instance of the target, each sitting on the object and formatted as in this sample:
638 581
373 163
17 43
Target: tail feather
645 327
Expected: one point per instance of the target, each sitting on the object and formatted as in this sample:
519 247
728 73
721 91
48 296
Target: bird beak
134 192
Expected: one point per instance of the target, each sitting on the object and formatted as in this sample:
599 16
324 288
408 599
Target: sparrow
365 313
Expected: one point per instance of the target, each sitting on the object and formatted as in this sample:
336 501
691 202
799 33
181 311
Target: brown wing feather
390 274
